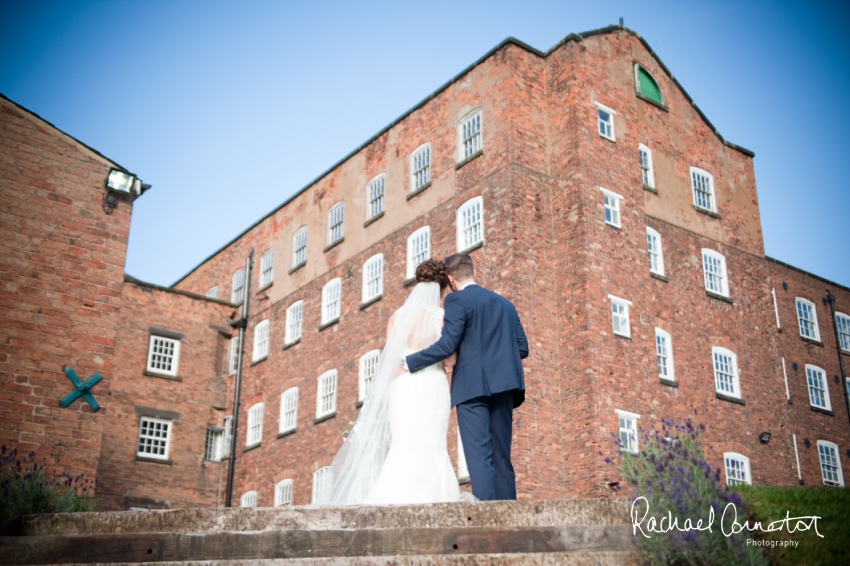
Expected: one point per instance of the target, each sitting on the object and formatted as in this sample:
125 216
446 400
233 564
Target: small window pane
267 268
255 424
322 482
326 399
737 469
289 410
375 197
294 316
335 223
283 493
373 277
163 355
238 289
843 323
420 168
817 383
368 369
299 247
154 438
470 135
830 465
470 223
331 301
807 319
213 293
628 433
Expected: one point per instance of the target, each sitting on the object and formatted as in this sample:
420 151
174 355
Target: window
283 493
842 321
375 197
420 167
611 203
373 277
326 398
163 355
233 361
213 446
646 87
213 293
725 372
702 183
227 437
255 424
830 465
336 216
646 166
267 269
656 253
294 316
322 482
418 249
462 468
737 469
154 438
605 117
714 269
261 341
664 354
237 292
470 224
818 389
368 369
331 300
469 135
628 430
249 500
299 247
620 316
289 410
807 317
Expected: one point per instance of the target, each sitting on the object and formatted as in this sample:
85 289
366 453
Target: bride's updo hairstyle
432 270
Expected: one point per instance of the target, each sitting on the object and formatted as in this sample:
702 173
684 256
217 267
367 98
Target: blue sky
228 108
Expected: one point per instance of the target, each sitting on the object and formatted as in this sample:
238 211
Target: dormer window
646 87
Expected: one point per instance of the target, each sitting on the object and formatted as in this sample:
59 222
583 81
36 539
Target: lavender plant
27 488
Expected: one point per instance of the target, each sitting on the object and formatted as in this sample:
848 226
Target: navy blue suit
487 382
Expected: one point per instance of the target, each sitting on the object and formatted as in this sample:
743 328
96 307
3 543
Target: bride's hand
450 361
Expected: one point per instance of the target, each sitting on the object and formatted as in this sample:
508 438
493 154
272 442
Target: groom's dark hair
460 266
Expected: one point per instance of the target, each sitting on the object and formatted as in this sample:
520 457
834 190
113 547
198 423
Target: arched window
646 87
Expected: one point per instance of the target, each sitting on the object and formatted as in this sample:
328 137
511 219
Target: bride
396 452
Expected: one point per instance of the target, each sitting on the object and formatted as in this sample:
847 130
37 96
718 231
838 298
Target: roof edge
804 272
130 279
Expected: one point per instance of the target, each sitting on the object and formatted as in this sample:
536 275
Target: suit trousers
486 425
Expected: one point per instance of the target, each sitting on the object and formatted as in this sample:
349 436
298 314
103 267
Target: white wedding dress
396 452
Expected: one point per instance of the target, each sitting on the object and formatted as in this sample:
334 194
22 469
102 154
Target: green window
646 86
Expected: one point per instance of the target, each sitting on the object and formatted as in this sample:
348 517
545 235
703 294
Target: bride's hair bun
432 270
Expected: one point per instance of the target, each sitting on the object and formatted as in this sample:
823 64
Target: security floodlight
764 437
122 182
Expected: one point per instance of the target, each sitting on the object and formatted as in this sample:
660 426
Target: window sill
286 433
478 153
376 217
653 102
623 336
653 190
329 324
409 281
669 382
371 301
162 375
251 447
333 245
463 481
729 398
263 288
154 460
255 362
297 267
824 411
327 417
412 194
165 333
358 404
473 247
620 227
291 344
612 140
723 298
810 341
707 212
659 276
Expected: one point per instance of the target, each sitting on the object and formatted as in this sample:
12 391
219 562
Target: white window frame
261 341
213 445
743 466
248 500
237 286
288 410
462 468
322 484
707 276
376 196
157 359
663 341
466 230
267 269
802 322
294 322
373 278
712 191
254 430
826 446
156 439
609 132
332 295
368 368
469 145
626 417
735 375
842 321
336 223
421 235
646 168
283 493
233 357
227 437
421 177
299 247
655 250
611 207
212 293
326 389
623 316
817 380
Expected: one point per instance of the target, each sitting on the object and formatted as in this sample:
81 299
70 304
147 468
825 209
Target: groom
487 380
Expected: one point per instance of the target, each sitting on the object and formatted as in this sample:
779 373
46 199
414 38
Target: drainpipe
240 323
830 298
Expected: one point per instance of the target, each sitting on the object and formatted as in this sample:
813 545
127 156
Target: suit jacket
485 331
